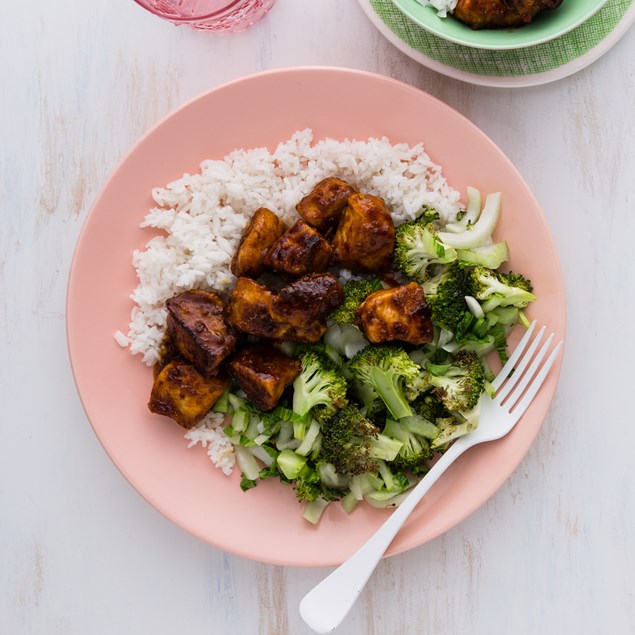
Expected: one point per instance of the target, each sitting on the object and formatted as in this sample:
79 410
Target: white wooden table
81 553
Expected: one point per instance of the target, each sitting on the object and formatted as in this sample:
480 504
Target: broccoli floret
385 371
376 411
355 292
431 408
350 442
445 295
417 247
319 384
307 485
303 476
495 289
427 215
414 452
449 430
459 384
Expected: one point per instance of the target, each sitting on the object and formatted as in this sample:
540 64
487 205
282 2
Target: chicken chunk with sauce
263 372
262 231
400 314
492 14
296 313
300 250
322 208
183 394
198 329
365 237
307 299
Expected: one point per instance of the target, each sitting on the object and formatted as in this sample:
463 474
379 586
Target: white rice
209 433
202 216
443 7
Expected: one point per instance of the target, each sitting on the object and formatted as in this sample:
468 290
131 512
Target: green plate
547 26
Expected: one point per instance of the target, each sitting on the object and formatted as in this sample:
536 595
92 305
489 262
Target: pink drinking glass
221 16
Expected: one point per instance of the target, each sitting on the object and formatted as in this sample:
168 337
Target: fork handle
329 602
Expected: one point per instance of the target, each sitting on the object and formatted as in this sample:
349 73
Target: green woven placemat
527 61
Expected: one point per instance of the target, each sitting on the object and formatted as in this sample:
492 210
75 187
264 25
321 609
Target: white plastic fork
516 385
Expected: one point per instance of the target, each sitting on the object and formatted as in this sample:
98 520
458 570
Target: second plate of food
264 141
546 23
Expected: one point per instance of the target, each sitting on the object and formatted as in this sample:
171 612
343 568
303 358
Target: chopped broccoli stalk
386 473
384 447
523 319
420 426
445 295
355 292
314 509
490 256
385 371
363 484
311 439
264 453
350 442
495 289
393 482
222 403
349 502
290 463
319 384
247 463
460 384
383 499
480 232
346 339
505 315
417 247
329 477
467 218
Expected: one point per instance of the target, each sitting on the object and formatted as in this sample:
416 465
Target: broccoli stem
290 463
388 388
313 510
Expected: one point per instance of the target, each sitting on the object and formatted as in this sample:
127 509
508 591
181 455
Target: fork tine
529 374
537 383
518 351
520 368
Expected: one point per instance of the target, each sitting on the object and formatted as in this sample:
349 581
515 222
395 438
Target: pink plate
265 523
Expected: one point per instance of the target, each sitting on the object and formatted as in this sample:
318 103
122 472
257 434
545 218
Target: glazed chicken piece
261 233
300 250
307 299
198 329
183 394
400 313
322 208
249 310
365 238
263 372
492 14
297 313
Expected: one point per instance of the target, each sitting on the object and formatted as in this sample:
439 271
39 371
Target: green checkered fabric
528 61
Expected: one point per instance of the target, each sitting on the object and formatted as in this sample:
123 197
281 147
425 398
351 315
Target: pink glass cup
221 16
